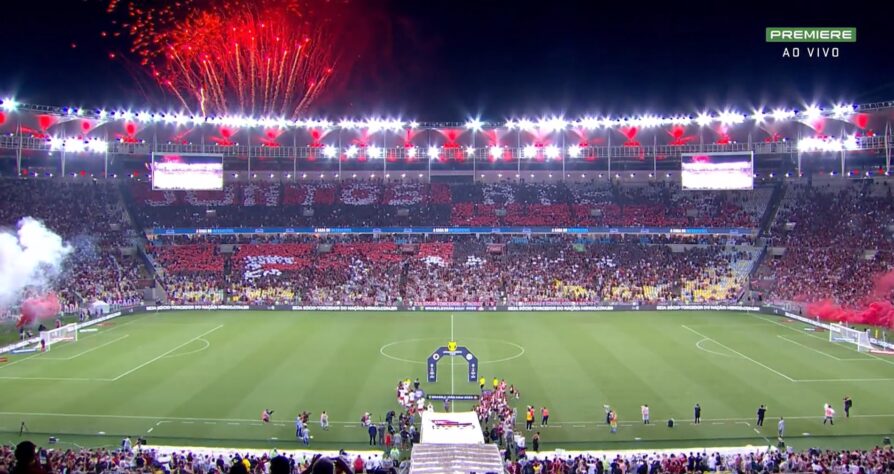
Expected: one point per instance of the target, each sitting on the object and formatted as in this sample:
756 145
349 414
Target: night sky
447 60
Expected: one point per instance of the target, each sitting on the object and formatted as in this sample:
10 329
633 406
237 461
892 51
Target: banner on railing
160 231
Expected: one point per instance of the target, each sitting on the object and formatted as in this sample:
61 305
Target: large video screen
716 171
187 172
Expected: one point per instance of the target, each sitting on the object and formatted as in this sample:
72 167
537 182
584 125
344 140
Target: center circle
514 352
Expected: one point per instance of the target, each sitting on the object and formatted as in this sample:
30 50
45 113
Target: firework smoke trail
263 57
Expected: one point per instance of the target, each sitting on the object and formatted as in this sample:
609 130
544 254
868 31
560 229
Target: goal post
69 332
842 333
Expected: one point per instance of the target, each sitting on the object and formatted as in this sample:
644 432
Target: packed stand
27 458
91 218
374 271
836 242
378 204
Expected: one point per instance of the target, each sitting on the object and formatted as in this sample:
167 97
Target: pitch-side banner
455 230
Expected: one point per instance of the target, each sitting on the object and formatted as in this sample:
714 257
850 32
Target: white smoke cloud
31 256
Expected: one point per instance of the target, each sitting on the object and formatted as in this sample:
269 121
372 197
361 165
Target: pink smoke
876 310
39 308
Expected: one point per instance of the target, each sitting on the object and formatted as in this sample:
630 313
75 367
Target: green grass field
202 378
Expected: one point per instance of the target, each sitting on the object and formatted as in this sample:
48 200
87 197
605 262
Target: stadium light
728 117
433 152
98 146
56 143
552 124
841 111
10 104
374 152
352 151
474 124
495 151
574 151
526 125
551 152
75 145
703 120
329 151
414 124
759 116
529 151
346 124
589 123
782 114
812 112
470 150
411 152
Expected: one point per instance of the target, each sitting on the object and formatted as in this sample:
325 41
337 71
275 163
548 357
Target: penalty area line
144 364
740 354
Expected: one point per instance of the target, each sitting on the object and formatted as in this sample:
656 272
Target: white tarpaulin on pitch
451 428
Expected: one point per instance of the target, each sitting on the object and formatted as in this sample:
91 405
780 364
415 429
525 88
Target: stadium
267 288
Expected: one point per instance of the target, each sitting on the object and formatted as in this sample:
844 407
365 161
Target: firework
263 57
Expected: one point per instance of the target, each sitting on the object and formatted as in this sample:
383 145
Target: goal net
69 332
841 333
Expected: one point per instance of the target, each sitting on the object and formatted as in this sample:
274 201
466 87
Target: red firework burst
262 57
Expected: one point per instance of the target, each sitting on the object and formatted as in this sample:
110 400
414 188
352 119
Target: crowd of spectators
377 271
376 204
91 218
837 241
874 461
25 458
560 271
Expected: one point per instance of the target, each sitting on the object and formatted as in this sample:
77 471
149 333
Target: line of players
611 417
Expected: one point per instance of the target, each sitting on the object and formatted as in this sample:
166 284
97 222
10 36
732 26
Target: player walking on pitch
645 412
761 412
829 414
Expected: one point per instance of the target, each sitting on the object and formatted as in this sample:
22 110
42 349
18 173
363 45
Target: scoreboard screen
187 172
718 171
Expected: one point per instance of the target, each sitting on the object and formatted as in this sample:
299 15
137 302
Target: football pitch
203 378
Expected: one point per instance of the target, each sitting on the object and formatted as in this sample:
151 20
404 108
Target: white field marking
844 380
86 351
57 379
9 364
521 350
196 351
452 363
144 364
820 338
741 355
238 421
699 345
150 430
807 347
382 350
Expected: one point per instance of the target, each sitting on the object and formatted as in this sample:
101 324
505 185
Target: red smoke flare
876 309
39 308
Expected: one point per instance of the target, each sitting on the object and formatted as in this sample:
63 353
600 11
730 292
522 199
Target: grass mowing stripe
144 364
820 338
86 351
740 354
808 347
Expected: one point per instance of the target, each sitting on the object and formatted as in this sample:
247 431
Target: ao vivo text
812 52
